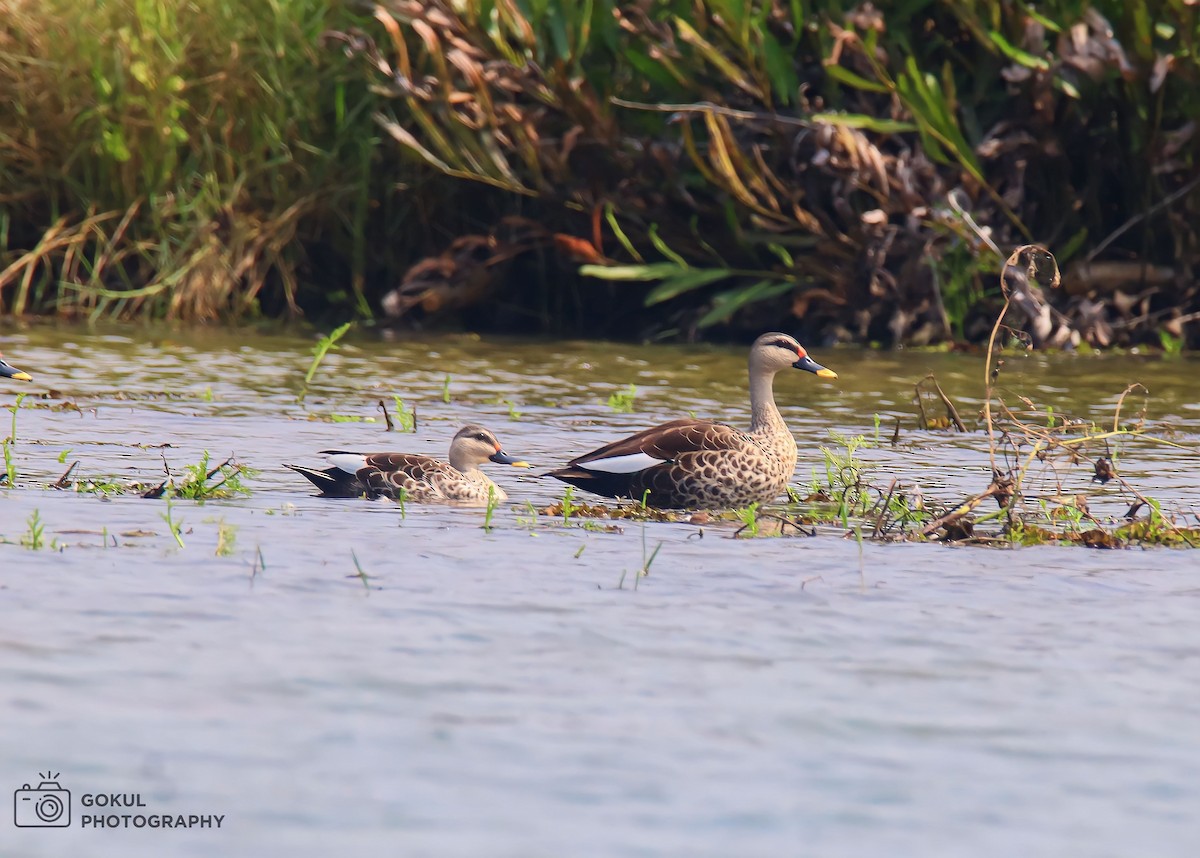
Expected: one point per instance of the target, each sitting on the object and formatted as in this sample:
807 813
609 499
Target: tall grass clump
659 166
857 166
178 159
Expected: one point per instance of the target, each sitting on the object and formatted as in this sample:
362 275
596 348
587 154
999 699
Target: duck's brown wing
667 442
386 474
659 464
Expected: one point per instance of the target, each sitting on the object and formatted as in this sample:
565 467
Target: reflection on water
494 693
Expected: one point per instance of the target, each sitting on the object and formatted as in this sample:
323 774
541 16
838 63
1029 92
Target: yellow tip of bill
826 373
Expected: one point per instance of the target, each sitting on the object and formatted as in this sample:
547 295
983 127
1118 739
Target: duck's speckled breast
471 487
779 458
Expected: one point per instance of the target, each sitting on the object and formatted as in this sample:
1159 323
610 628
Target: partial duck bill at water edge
7 370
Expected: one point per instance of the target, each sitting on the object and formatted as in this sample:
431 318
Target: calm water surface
497 694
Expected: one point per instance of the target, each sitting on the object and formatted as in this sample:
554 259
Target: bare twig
387 418
1133 221
924 418
953 198
951 411
1121 401
964 508
61 482
213 472
883 509
714 109
1028 253
987 386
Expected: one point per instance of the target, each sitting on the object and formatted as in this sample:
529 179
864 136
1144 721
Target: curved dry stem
1025 257
1045 440
1121 401
987 382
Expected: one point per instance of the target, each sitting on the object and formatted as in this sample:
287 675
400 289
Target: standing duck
422 479
699 464
7 370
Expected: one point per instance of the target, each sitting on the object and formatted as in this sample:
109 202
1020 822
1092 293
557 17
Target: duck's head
7 370
775 351
474 445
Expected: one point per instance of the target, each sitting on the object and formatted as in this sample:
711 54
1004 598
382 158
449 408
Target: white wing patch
629 464
351 463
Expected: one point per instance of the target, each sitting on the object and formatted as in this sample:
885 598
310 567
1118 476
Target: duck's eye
784 344
481 437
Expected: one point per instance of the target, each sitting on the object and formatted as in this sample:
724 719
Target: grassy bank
180 159
631 169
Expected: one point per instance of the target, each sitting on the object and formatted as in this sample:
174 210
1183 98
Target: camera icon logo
46 806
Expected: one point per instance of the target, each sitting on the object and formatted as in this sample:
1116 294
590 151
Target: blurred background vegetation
648 168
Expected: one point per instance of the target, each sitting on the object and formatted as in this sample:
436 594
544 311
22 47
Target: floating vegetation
226 538
567 508
258 565
102 486
490 511
15 408
360 573
923 390
406 419
34 538
322 348
334 417
199 481
10 464
567 505
748 516
527 516
621 401
647 562
175 525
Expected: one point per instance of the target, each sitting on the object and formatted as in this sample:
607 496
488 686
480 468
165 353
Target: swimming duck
700 464
422 479
7 370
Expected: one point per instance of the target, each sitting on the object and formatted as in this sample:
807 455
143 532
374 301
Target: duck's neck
462 463
765 418
470 470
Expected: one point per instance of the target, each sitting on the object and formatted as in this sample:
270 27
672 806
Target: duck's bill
809 365
502 458
7 370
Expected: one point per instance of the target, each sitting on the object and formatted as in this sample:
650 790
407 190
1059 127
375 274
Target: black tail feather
597 482
332 482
